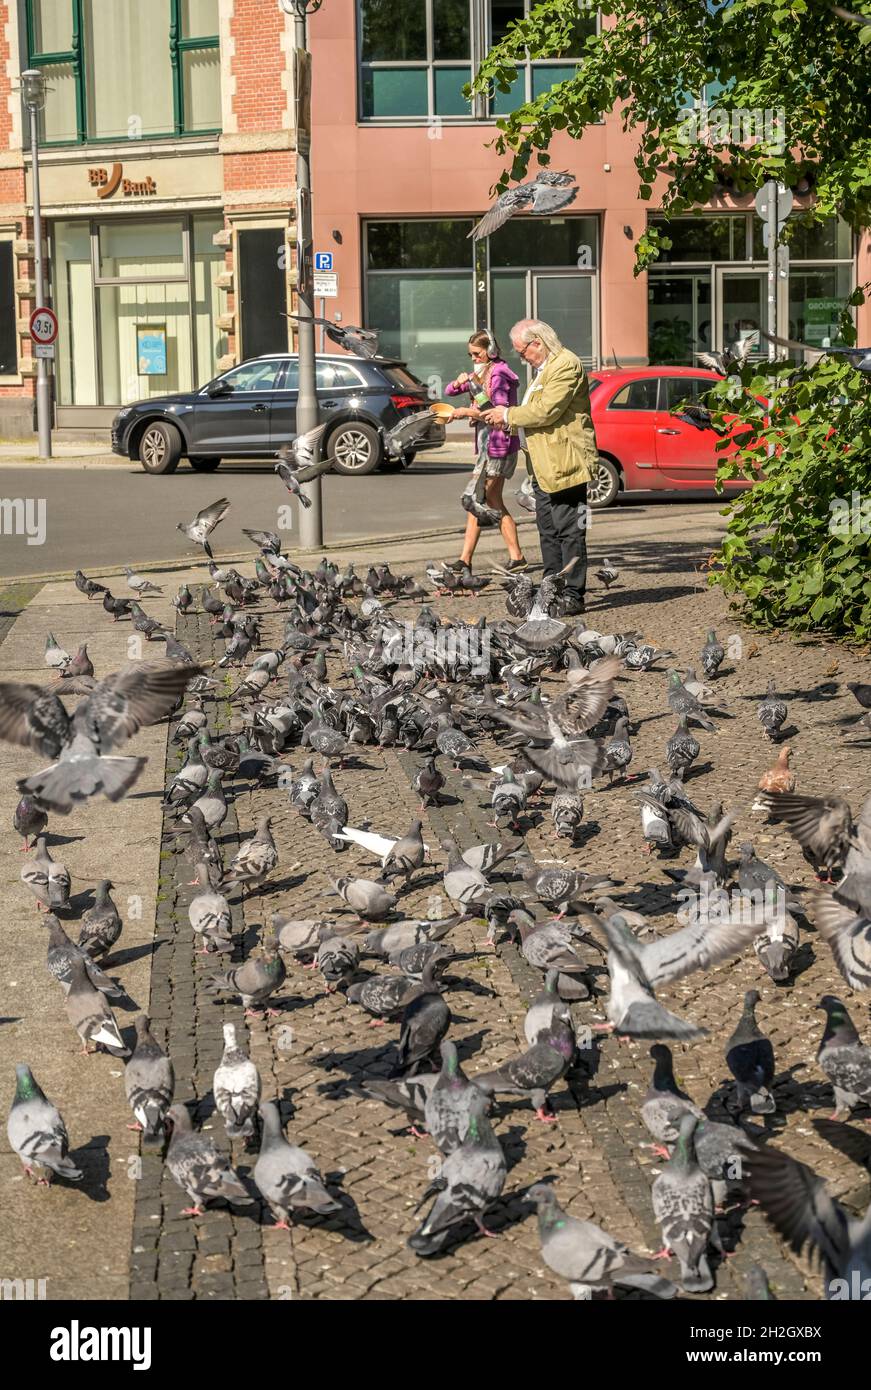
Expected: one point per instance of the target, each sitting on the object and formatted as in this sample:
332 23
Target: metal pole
43 380
311 518
323 331
771 222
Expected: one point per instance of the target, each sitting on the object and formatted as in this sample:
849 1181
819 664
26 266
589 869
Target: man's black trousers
561 518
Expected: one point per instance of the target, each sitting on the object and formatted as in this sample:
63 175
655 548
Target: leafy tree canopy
798 63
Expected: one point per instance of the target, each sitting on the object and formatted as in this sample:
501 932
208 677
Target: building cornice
257 141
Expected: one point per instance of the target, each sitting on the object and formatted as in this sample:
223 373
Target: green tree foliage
797 546
795 61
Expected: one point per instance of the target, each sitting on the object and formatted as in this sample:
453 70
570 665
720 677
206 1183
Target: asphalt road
110 515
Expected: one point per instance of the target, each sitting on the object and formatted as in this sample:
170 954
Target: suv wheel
201 465
159 447
356 447
603 488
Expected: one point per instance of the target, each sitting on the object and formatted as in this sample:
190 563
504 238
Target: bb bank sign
108 182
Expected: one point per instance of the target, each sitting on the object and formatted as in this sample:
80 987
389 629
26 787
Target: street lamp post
33 91
311 519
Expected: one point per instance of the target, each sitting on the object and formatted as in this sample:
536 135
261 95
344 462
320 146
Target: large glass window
418 245
8 331
424 320
425 296
126 309
143 250
128 78
546 268
156 277
421 292
74 305
535 78
122 69
553 241
706 238
415 58
709 287
208 263
679 319
816 298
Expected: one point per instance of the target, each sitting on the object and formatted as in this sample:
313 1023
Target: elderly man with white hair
554 423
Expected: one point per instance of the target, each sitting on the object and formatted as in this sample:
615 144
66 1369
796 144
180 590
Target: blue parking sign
323 260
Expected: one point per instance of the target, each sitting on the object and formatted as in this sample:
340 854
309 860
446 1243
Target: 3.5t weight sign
43 326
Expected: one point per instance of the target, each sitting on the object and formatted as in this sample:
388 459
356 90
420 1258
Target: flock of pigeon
552 697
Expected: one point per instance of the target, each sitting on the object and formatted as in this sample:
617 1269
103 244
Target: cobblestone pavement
316 1054
313 1056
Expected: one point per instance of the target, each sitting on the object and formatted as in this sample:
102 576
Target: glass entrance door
679 322
566 303
742 310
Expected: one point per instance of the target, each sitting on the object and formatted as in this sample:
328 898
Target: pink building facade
401 171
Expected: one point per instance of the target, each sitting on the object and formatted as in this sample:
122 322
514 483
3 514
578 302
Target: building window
421 293
425 296
534 78
415 58
711 286
119 69
112 279
546 268
8 330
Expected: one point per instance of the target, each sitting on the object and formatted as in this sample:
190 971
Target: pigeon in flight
733 359
544 195
116 709
360 342
404 436
860 358
298 463
798 1204
851 17
204 524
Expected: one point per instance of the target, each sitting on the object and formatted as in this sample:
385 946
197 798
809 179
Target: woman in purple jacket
497 449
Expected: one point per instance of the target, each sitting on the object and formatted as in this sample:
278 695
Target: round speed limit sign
43 326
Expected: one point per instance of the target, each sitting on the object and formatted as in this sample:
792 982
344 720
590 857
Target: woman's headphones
492 350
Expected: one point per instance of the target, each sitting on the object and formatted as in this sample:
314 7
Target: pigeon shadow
853 1143
93 1160
347 1222
468 986
698 770
115 959
363 1062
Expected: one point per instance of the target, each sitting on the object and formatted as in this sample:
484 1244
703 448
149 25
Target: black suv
250 411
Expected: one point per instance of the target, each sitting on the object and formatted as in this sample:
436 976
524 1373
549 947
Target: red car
642 446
